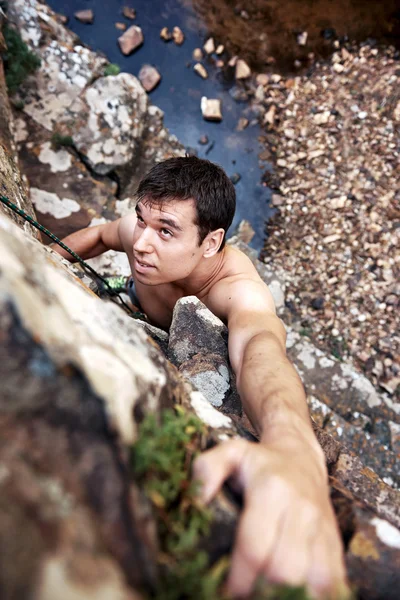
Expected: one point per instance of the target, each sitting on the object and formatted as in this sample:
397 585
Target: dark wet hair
189 177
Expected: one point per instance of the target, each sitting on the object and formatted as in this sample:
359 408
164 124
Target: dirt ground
265 31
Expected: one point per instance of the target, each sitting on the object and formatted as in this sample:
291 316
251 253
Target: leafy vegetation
59 140
112 69
161 460
19 61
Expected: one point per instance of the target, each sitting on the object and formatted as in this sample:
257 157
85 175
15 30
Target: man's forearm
273 395
87 243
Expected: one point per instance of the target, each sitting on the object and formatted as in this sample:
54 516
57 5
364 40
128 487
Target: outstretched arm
92 241
287 532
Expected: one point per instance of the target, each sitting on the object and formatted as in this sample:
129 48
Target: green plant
19 104
112 69
161 461
19 61
58 140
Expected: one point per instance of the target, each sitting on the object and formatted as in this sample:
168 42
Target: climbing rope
96 277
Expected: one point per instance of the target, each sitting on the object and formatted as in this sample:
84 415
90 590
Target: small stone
331 238
242 70
270 115
242 124
346 54
211 109
130 40
302 38
219 64
391 300
178 36
203 140
197 54
335 332
281 162
232 62
219 49
275 78
200 70
235 178
322 117
362 115
129 13
165 34
149 77
262 79
318 303
120 26
338 68
277 200
289 133
85 16
209 46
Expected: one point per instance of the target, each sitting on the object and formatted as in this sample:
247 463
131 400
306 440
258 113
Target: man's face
165 242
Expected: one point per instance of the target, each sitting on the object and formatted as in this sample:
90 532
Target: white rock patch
307 357
207 413
49 203
387 533
214 385
58 161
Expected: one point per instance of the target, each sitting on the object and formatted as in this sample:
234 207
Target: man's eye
140 219
166 232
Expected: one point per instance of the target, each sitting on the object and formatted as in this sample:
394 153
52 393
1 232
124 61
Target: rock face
107 121
78 376
65 103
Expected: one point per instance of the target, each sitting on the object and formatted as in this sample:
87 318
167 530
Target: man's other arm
92 241
288 531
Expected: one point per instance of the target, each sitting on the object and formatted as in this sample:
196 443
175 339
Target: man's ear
212 242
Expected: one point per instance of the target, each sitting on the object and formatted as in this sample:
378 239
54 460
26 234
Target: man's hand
287 532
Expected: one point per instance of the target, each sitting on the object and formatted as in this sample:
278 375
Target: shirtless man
176 247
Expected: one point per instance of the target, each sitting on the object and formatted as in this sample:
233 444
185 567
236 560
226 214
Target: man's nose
143 243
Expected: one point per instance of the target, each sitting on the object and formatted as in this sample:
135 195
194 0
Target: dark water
180 91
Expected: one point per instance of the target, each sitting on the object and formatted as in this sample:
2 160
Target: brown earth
265 31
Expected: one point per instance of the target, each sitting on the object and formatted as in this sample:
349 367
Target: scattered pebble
178 36
197 54
209 46
149 77
235 178
129 13
85 16
203 140
242 124
120 26
302 38
131 40
220 49
242 69
165 34
211 109
200 70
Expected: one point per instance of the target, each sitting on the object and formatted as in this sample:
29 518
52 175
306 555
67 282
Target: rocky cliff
80 378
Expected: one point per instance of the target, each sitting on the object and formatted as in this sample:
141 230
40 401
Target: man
175 244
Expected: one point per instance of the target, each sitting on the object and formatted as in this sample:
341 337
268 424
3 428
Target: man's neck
203 277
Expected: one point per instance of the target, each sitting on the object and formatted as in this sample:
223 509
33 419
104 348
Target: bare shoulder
240 288
126 227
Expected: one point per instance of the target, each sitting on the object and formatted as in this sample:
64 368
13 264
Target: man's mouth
142 266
